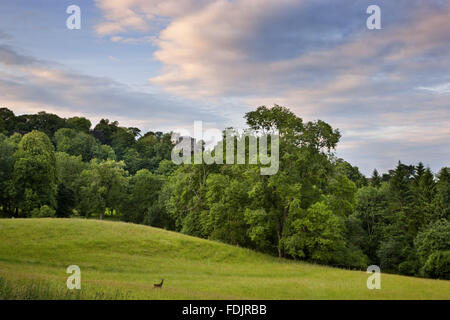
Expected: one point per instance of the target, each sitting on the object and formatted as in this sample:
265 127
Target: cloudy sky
161 64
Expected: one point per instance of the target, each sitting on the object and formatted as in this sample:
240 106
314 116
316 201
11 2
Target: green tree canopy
35 172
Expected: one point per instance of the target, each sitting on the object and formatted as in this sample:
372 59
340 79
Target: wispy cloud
140 15
440 88
31 85
9 57
114 59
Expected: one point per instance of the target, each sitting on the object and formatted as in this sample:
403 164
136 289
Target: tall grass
41 290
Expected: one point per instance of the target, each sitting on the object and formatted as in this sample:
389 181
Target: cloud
9 57
259 48
133 40
139 15
30 85
440 88
114 59
4 36
321 61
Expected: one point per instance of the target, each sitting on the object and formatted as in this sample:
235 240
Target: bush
350 256
438 265
408 267
430 244
43 212
394 251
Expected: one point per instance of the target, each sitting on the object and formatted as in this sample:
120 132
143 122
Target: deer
158 285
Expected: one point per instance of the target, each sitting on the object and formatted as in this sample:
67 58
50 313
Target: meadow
122 261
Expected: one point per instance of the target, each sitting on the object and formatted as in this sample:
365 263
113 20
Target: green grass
120 260
44 290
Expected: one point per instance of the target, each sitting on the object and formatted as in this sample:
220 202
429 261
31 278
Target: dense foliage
317 207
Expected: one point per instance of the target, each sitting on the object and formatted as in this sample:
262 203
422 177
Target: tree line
317 208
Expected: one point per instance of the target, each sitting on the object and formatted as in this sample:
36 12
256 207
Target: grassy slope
115 255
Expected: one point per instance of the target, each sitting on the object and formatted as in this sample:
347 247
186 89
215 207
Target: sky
163 64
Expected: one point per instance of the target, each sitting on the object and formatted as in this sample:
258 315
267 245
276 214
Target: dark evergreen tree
375 180
443 194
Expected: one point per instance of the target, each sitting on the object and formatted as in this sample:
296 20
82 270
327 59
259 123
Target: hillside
128 258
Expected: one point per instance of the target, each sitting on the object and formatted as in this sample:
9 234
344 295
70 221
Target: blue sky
161 64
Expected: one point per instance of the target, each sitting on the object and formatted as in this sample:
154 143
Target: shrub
408 267
434 240
43 212
438 265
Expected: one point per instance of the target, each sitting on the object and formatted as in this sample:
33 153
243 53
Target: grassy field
120 260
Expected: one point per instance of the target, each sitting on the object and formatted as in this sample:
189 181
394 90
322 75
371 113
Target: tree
438 265
7 121
132 160
143 192
121 140
302 178
375 180
102 187
227 198
317 234
370 209
69 168
410 203
186 200
47 123
79 124
35 172
76 143
351 172
104 131
430 245
419 172
15 138
400 187
395 252
273 197
341 195
442 200
352 255
68 171
152 149
7 149
340 198
401 200
166 168
136 132
43 212
65 198
104 152
424 189
305 162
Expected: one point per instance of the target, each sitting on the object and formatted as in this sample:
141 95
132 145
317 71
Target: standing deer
158 285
